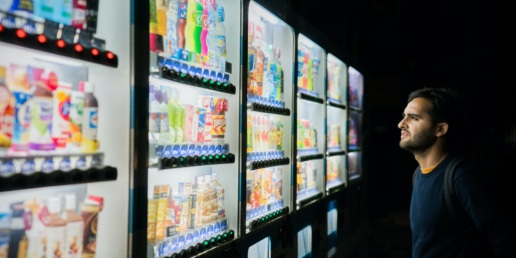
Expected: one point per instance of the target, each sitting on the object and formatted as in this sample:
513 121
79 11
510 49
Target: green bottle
179 117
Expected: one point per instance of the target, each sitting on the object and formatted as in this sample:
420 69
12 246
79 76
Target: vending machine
268 114
64 128
192 97
336 148
355 91
310 144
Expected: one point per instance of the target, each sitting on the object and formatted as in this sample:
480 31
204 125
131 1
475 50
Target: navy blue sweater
436 234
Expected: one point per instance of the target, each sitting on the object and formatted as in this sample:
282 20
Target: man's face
417 130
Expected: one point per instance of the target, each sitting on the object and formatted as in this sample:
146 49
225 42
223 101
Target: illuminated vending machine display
336 123
355 88
193 127
64 143
310 117
268 117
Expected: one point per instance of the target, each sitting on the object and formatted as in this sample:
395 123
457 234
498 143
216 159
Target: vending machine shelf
335 187
193 243
309 199
57 178
267 218
218 82
336 105
308 97
310 157
55 38
264 108
336 153
192 161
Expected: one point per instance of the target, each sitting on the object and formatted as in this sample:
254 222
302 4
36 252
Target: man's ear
442 129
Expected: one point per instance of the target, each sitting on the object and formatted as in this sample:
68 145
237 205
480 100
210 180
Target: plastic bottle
212 32
204 31
172 110
221 40
189 27
279 80
172 20
55 229
198 27
74 228
221 32
164 132
90 119
179 118
61 115
76 113
154 113
181 23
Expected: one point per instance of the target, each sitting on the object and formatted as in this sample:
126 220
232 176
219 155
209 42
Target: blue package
198 72
28 166
167 151
213 75
191 70
7 167
47 165
202 233
198 149
81 162
183 151
219 76
225 78
176 65
184 68
159 150
218 149
65 163
211 150
175 150
189 239
191 150
204 150
206 73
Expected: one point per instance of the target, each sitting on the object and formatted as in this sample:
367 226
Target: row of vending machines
176 128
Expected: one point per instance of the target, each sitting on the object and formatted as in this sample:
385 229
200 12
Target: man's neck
431 158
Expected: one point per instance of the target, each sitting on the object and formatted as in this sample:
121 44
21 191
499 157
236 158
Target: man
433 122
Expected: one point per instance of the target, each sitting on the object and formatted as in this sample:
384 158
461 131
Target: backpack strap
457 212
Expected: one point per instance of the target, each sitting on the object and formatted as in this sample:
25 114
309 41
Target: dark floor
390 236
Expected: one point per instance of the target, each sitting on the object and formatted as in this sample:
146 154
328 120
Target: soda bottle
171 107
198 27
181 23
189 27
204 31
172 20
90 119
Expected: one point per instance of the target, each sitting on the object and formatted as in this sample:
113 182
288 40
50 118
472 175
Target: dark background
402 45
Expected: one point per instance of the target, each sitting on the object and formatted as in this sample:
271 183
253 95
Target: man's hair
447 107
